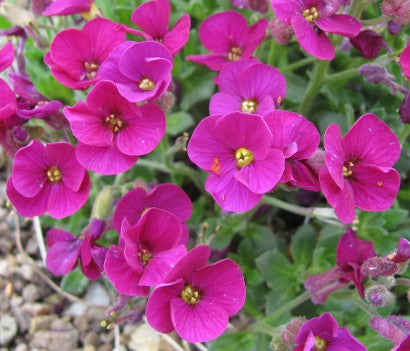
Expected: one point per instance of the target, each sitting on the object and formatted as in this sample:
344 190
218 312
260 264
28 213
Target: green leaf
232 342
296 87
74 282
178 122
394 217
302 245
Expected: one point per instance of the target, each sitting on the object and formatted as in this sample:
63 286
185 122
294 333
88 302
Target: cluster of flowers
190 296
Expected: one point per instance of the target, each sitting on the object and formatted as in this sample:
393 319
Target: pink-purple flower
323 333
298 139
146 253
236 149
113 132
197 299
8 103
248 86
6 56
141 71
351 254
47 179
67 7
229 38
75 55
358 170
153 18
311 20
405 61
402 254
168 197
64 250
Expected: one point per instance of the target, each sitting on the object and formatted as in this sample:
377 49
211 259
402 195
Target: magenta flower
197 299
255 5
248 86
229 38
369 43
168 197
351 254
402 254
75 55
6 56
141 71
64 250
146 253
47 179
405 61
323 333
358 169
298 139
403 346
8 103
113 132
394 328
153 18
311 20
236 150
67 7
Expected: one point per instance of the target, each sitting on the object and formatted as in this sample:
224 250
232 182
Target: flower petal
62 257
345 25
335 156
178 36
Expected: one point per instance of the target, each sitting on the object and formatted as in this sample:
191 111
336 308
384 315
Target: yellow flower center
235 54
54 174
311 14
243 157
146 84
113 122
144 256
91 69
320 344
190 295
249 106
347 169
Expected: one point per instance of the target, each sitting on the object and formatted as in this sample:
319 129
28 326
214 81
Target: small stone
21 347
105 347
144 338
89 348
31 246
27 272
8 329
31 293
6 268
91 339
41 322
97 295
38 308
55 340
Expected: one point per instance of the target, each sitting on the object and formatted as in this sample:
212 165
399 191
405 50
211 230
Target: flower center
91 69
146 84
235 54
190 295
54 174
311 14
249 106
243 157
347 169
320 344
113 122
144 256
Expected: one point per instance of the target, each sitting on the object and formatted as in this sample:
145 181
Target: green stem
272 52
119 179
315 83
154 165
364 307
298 64
303 211
403 281
373 21
347 74
261 325
403 133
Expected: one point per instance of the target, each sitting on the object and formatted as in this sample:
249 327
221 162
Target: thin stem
117 343
153 165
272 52
347 74
40 238
374 21
298 64
315 83
280 311
200 346
303 211
365 307
403 281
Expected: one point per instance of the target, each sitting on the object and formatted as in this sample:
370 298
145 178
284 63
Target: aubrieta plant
236 172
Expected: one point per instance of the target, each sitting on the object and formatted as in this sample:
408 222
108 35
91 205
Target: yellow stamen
347 170
243 157
54 174
249 106
311 14
146 84
144 256
190 295
91 69
320 344
113 122
235 54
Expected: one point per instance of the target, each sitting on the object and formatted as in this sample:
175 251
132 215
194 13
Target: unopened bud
377 74
378 266
276 344
291 330
103 204
387 329
281 32
378 296
369 43
394 28
166 101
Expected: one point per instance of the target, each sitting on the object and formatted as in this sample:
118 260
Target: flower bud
378 296
369 43
291 330
276 344
377 266
399 10
394 28
377 74
281 32
165 102
404 110
388 329
103 204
